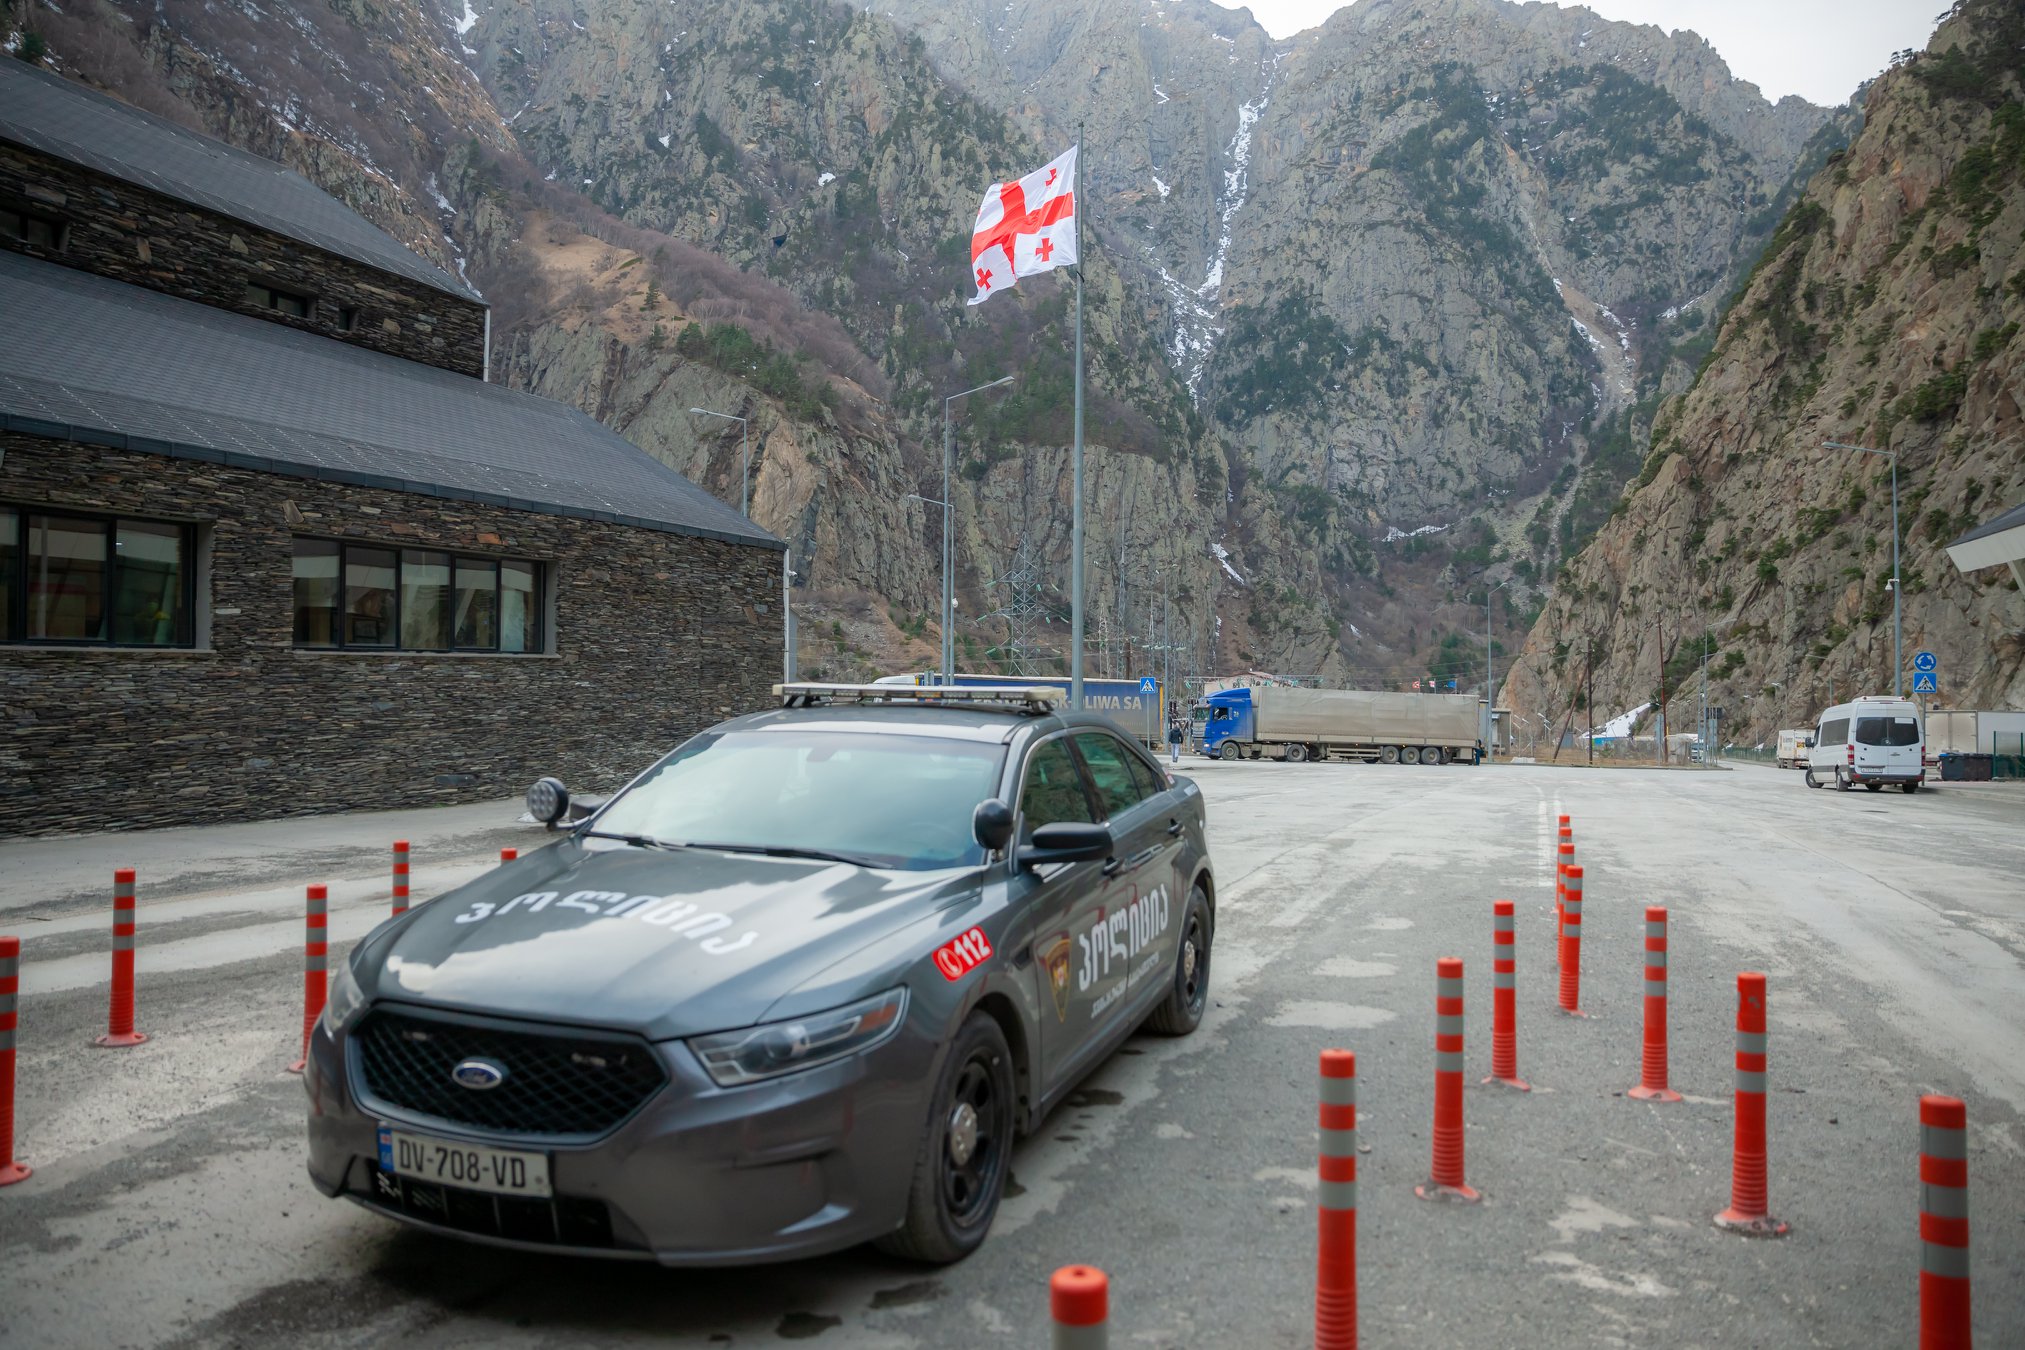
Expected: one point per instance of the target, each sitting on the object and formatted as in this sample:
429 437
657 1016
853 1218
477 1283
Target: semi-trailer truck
1367 724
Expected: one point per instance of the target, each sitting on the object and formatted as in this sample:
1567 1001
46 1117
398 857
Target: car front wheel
1230 752
1188 996
965 1150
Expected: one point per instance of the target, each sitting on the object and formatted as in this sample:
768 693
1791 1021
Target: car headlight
342 999
735 1057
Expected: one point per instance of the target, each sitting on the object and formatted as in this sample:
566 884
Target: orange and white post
1652 1067
1445 1173
1505 997
400 876
1944 1224
315 966
1336 1213
119 1030
1571 944
1749 1210
1079 1306
12 1169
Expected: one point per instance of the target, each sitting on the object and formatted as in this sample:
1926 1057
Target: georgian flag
1024 228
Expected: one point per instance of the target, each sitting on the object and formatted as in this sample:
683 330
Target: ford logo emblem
480 1075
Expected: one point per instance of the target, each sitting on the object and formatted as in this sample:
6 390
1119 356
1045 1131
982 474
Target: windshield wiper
789 851
636 840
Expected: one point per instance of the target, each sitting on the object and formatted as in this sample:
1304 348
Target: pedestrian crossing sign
1924 683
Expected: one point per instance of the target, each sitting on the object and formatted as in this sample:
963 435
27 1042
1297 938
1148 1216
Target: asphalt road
169 1206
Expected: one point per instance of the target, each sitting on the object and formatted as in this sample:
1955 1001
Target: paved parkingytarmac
170 1207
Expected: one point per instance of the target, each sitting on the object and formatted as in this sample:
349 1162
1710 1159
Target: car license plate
498 1171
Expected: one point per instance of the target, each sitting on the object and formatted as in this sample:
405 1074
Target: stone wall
118 230
653 636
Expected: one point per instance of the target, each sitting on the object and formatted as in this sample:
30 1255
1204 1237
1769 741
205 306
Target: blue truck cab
1230 715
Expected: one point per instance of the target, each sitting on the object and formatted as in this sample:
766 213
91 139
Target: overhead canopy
1994 543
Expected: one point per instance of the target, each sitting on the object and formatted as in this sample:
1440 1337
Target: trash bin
1976 768
1952 768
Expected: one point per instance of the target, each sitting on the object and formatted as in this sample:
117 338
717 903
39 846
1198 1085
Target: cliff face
1886 313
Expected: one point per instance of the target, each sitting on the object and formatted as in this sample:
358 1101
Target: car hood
665 943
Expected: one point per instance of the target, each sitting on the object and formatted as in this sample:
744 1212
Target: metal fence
2007 757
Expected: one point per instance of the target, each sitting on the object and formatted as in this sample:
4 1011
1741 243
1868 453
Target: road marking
1330 1016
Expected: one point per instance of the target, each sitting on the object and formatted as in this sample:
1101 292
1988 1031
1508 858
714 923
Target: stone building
270 543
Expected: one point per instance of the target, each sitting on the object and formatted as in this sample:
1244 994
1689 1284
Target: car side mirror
992 823
1066 841
548 801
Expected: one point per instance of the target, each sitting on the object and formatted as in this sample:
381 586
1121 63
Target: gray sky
1818 49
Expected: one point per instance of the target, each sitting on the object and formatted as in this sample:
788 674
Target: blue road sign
1924 682
1147 685
1925 663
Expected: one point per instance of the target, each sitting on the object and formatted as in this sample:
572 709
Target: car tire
1229 752
1842 783
1812 781
1296 753
1910 788
1389 755
1188 994
1873 787
951 1202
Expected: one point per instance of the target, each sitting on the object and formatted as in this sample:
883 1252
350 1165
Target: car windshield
881 800
1887 731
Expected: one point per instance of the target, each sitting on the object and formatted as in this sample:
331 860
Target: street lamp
1490 720
1897 649
948 581
745 455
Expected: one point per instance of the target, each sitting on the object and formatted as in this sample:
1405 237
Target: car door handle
1174 827
1111 866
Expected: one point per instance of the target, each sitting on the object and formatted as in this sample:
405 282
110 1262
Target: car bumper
700 1175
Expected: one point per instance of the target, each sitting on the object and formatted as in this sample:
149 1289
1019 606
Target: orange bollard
1564 858
507 855
315 966
1944 1224
119 1030
1652 1063
12 1169
1336 1222
400 876
1079 1305
1747 1212
1571 945
1505 998
1445 1176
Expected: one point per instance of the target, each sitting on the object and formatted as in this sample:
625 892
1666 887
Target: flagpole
1076 510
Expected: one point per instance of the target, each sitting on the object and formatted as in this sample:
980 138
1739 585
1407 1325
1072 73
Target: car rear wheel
1910 788
1389 755
1188 996
1229 751
1873 787
1842 783
967 1145
1296 753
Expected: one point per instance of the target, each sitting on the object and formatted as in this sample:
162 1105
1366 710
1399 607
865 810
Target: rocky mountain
1373 312
1886 313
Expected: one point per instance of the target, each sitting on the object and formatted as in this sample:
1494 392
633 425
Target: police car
797 987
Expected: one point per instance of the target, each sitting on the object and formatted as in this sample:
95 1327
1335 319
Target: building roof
114 364
54 116
1993 543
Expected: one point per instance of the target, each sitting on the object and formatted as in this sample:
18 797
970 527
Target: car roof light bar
1033 698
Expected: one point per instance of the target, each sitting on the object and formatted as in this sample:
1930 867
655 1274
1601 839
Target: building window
107 580
38 232
281 302
361 596
348 319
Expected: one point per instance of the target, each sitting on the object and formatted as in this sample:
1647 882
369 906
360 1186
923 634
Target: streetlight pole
948 580
1897 645
745 458
1490 718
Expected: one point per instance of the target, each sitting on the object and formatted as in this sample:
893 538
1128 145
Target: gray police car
797 987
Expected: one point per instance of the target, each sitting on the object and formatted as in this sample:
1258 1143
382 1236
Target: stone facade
653 635
118 230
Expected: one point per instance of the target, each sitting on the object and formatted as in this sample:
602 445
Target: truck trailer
1366 724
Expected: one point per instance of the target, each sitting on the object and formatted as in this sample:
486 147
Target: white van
1873 741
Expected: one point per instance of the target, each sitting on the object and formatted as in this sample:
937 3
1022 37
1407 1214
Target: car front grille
562 1082
565 1221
